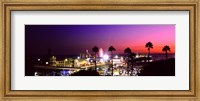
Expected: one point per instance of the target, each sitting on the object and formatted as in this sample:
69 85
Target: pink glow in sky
75 39
137 36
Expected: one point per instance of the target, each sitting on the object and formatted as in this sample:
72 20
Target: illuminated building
88 54
53 61
117 61
143 58
68 62
85 55
81 62
61 63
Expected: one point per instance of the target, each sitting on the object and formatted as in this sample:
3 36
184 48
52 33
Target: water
157 57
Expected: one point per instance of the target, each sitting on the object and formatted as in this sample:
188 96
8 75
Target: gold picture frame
159 5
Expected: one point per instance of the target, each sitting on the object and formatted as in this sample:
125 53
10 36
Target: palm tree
149 45
127 51
132 55
95 49
111 49
165 49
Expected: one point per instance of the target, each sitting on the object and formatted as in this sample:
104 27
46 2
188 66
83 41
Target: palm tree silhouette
111 49
95 49
165 49
132 55
127 51
149 45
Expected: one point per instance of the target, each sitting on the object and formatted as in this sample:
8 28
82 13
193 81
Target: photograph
100 50
97 50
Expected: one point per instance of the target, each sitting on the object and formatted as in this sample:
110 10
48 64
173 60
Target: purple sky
74 39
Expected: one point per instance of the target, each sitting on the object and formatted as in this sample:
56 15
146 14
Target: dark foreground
159 68
156 68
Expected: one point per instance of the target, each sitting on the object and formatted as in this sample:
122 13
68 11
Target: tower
87 55
100 52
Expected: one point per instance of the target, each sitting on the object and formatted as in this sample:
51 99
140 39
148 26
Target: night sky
74 39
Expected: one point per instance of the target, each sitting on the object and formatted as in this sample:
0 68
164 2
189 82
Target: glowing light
36 73
78 57
116 56
116 73
100 52
65 59
64 72
101 60
38 59
47 63
105 57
